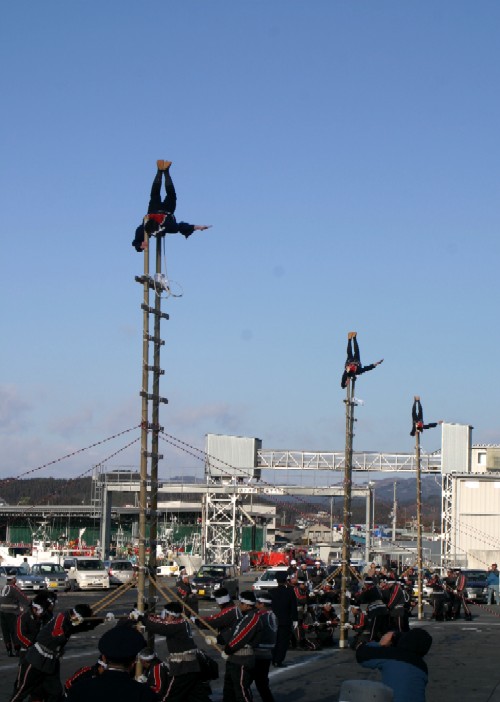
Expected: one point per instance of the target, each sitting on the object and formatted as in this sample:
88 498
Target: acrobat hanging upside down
353 365
160 219
417 416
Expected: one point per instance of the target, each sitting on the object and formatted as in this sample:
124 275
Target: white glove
193 618
347 626
210 640
142 679
110 617
295 624
134 614
224 656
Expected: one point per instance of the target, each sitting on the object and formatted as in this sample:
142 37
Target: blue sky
347 156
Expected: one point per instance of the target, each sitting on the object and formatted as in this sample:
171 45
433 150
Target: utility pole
420 606
394 512
346 533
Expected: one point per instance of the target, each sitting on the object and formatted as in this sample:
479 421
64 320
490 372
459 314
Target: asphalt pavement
464 661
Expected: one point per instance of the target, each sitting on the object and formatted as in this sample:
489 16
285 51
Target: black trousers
282 642
29 680
156 204
237 682
187 687
8 622
353 351
261 678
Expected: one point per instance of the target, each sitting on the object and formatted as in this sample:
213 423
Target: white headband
223 599
245 601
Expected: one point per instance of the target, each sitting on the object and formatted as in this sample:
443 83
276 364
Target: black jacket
284 605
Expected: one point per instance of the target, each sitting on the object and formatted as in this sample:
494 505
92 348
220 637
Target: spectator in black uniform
417 416
284 606
353 366
160 219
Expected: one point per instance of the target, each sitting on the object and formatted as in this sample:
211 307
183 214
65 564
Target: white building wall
476 520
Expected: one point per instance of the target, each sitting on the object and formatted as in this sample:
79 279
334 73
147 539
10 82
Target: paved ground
464 661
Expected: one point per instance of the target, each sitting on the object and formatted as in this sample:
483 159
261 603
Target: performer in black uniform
40 667
12 602
417 416
284 606
265 647
119 648
160 219
353 365
186 681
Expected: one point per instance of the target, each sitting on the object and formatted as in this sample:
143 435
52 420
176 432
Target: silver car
54 575
24 580
122 570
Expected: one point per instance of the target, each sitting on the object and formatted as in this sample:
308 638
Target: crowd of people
252 634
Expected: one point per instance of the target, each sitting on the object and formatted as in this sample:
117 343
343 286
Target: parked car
212 576
476 587
123 570
54 575
24 580
267 580
88 573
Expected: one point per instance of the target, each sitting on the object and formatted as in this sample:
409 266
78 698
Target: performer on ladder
353 365
417 415
160 219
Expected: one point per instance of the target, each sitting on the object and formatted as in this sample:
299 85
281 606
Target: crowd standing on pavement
252 635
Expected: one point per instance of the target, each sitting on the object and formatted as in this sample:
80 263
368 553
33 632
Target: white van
88 573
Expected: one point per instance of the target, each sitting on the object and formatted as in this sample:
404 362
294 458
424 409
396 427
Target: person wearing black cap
40 667
154 672
12 602
399 657
86 672
240 654
186 682
284 606
225 619
264 649
118 648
